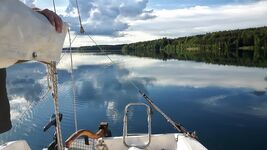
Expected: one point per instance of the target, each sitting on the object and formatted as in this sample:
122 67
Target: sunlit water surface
226 105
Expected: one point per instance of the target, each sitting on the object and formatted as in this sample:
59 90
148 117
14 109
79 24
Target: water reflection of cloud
112 111
105 86
183 73
213 101
101 84
17 106
260 110
24 86
236 102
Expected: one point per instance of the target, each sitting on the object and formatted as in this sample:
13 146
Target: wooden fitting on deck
102 132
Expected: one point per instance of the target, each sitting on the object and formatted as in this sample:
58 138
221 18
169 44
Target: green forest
246 47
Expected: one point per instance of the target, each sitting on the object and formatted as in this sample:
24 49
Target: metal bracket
125 125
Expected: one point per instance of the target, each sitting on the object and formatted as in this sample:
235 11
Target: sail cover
27 35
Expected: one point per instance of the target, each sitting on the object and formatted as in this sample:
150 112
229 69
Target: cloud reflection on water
104 84
205 97
110 84
234 102
24 86
210 99
183 73
107 86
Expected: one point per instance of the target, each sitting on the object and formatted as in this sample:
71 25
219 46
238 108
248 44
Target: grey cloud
85 8
105 17
132 8
146 17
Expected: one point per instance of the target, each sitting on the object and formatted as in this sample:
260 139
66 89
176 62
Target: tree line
246 47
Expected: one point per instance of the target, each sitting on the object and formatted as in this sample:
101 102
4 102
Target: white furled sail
27 35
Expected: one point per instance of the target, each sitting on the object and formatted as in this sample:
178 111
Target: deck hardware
125 125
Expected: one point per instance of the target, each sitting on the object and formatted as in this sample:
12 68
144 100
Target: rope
49 78
73 86
53 78
48 84
52 72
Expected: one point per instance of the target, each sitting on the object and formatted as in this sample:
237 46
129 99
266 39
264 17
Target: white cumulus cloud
30 3
106 17
131 21
202 19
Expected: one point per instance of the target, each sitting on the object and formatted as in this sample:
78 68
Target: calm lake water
226 105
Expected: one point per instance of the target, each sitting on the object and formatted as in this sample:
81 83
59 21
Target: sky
127 21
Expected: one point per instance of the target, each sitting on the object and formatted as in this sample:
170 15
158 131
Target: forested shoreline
244 47
247 47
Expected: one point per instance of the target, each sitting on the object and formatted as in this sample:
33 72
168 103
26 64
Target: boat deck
172 141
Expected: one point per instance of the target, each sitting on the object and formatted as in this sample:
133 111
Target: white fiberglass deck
173 141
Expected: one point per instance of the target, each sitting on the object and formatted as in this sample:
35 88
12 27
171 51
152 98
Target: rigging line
31 105
54 6
177 126
49 87
99 47
79 15
46 93
112 62
73 85
57 64
68 50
